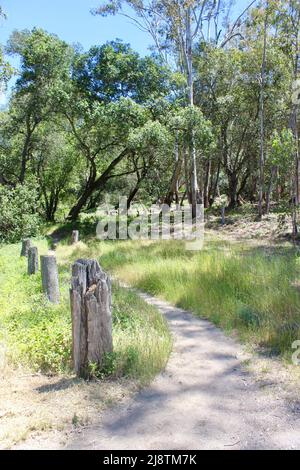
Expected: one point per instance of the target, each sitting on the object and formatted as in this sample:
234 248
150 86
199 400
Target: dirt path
205 399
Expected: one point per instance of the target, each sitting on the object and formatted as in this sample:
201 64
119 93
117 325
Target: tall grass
35 333
249 289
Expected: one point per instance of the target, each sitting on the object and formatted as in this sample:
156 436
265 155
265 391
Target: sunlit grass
37 334
245 288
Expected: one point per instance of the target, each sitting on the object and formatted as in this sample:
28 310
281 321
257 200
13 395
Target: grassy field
246 288
37 334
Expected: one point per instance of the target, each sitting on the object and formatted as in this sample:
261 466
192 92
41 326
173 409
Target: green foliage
114 70
282 149
220 202
18 212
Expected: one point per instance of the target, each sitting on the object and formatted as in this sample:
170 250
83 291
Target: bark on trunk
262 120
195 194
94 185
270 188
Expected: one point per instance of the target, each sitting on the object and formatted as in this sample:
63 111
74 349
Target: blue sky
72 21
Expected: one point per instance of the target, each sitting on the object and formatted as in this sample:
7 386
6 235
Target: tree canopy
183 123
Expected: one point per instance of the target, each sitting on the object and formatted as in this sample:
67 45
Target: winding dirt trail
205 399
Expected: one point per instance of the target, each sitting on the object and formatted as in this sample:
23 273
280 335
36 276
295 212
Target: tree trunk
173 193
296 198
270 188
187 176
195 194
207 183
233 190
216 185
95 185
262 120
91 317
50 278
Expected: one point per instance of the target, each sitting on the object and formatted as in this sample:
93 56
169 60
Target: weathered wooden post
91 315
26 244
33 260
75 237
223 215
50 278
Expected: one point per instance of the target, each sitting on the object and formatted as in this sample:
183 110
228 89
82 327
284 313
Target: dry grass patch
46 409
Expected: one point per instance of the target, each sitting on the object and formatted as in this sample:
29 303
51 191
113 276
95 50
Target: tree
53 165
18 212
262 112
175 26
101 133
113 70
45 73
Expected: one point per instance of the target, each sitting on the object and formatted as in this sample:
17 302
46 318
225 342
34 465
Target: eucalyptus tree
176 26
228 90
262 109
289 29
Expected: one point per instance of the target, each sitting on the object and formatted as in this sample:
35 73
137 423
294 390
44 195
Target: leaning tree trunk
50 278
91 316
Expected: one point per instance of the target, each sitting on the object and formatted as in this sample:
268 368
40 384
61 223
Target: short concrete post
33 260
75 237
91 316
50 278
26 244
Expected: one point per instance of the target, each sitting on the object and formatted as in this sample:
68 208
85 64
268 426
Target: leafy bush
18 212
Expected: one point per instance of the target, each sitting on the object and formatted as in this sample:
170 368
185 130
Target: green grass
37 334
249 289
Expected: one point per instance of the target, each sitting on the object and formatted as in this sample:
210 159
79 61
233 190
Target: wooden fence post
33 260
75 237
26 244
50 278
91 316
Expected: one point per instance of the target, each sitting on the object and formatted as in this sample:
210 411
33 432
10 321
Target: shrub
18 212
